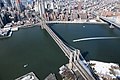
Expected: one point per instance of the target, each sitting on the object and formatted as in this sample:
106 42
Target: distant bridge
112 23
75 58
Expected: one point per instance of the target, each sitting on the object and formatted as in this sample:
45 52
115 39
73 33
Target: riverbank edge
56 22
67 22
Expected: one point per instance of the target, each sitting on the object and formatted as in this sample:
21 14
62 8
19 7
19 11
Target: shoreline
29 25
48 22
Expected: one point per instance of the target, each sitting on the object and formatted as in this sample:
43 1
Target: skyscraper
1 3
41 7
5 3
9 2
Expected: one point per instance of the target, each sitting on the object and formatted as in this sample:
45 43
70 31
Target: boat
25 65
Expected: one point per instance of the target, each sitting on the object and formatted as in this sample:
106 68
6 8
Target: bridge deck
80 66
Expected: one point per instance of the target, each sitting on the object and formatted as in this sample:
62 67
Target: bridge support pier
42 25
42 22
111 26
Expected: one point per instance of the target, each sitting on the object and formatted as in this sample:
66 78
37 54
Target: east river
36 49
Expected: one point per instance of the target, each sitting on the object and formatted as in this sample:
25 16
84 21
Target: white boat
25 65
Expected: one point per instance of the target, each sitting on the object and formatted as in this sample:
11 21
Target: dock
29 76
51 76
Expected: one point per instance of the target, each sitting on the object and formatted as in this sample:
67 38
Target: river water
36 49
32 47
107 50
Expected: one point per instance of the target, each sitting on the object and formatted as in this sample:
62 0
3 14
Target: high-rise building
8 2
79 5
41 7
23 2
5 3
1 3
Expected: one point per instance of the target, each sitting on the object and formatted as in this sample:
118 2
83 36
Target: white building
118 19
49 4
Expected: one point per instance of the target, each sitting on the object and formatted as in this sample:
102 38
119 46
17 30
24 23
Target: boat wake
95 38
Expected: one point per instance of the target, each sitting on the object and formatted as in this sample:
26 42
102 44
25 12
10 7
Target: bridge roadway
111 22
80 65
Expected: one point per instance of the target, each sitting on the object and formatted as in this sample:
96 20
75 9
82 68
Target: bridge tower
70 65
73 58
75 55
78 54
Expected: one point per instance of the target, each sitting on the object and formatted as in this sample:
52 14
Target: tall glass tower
6 3
9 2
13 2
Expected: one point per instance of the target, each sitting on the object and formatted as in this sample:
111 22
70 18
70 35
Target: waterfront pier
75 58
